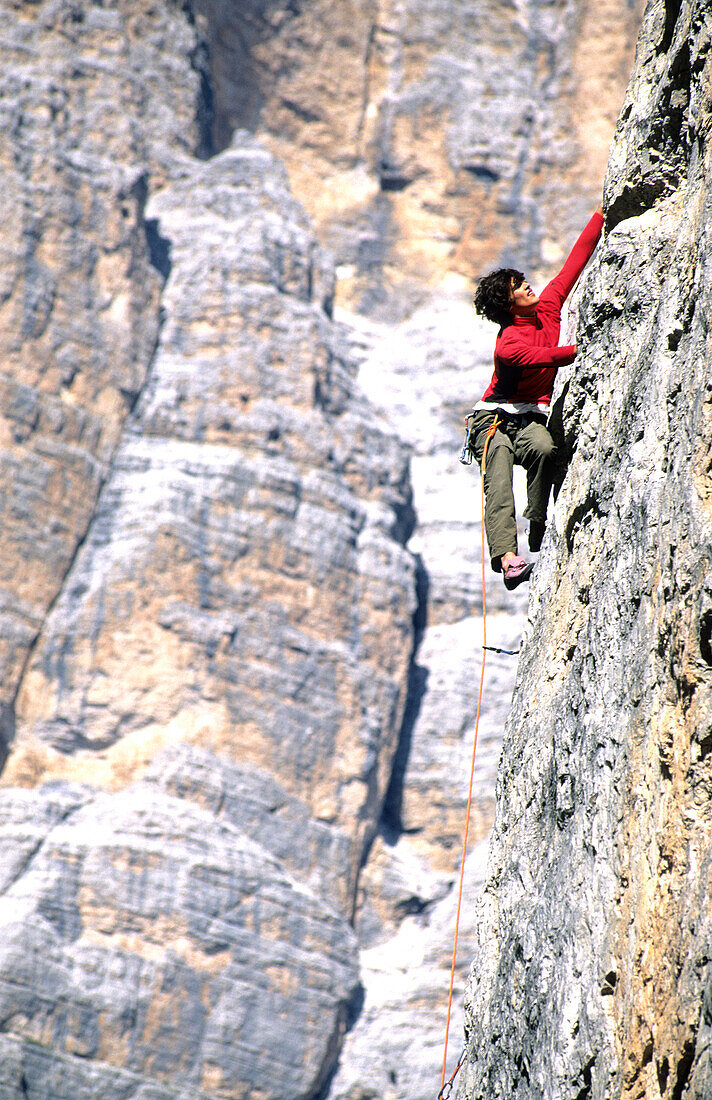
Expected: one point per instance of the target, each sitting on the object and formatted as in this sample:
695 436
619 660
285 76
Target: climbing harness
446 1089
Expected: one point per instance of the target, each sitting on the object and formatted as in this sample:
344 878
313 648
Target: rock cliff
239 573
423 134
209 610
592 975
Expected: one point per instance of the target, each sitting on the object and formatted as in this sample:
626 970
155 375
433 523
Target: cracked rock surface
209 606
239 579
427 136
130 942
592 970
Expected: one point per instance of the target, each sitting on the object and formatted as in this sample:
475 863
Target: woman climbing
527 356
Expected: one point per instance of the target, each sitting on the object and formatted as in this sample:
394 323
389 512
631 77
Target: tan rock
80 298
476 125
592 957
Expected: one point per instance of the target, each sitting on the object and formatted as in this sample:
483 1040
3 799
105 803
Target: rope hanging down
446 1089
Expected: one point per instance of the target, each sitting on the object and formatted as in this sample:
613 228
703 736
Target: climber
527 356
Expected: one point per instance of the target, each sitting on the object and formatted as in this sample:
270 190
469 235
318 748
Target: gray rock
93 110
252 801
207 605
241 554
249 472
592 963
132 938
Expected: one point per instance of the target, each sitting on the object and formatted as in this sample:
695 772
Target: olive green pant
527 442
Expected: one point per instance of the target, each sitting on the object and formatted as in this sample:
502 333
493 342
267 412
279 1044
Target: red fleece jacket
526 354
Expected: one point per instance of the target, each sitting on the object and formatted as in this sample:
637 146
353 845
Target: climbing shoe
516 572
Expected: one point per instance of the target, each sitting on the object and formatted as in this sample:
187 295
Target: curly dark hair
492 298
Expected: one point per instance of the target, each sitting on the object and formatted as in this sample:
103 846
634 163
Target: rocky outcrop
425 137
249 471
133 927
238 710
79 293
205 696
592 972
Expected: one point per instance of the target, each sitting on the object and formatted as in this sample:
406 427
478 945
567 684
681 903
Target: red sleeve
515 351
558 290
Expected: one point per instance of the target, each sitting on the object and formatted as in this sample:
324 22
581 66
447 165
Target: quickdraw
446 1090
466 453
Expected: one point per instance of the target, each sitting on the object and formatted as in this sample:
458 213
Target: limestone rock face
592 969
205 690
133 927
240 571
425 136
92 113
248 472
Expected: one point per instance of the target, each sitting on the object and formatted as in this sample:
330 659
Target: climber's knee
536 445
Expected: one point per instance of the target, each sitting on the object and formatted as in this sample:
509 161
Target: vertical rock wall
426 136
79 296
247 473
209 607
592 975
208 625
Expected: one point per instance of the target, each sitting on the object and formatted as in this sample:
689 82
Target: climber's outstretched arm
558 290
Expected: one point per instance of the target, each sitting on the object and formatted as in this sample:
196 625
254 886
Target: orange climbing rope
445 1089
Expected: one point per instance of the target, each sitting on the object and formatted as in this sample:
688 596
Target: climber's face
523 300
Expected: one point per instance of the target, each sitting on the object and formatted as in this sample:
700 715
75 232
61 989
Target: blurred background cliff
240 565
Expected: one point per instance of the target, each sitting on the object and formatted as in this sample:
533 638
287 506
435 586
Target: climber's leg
500 518
534 449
